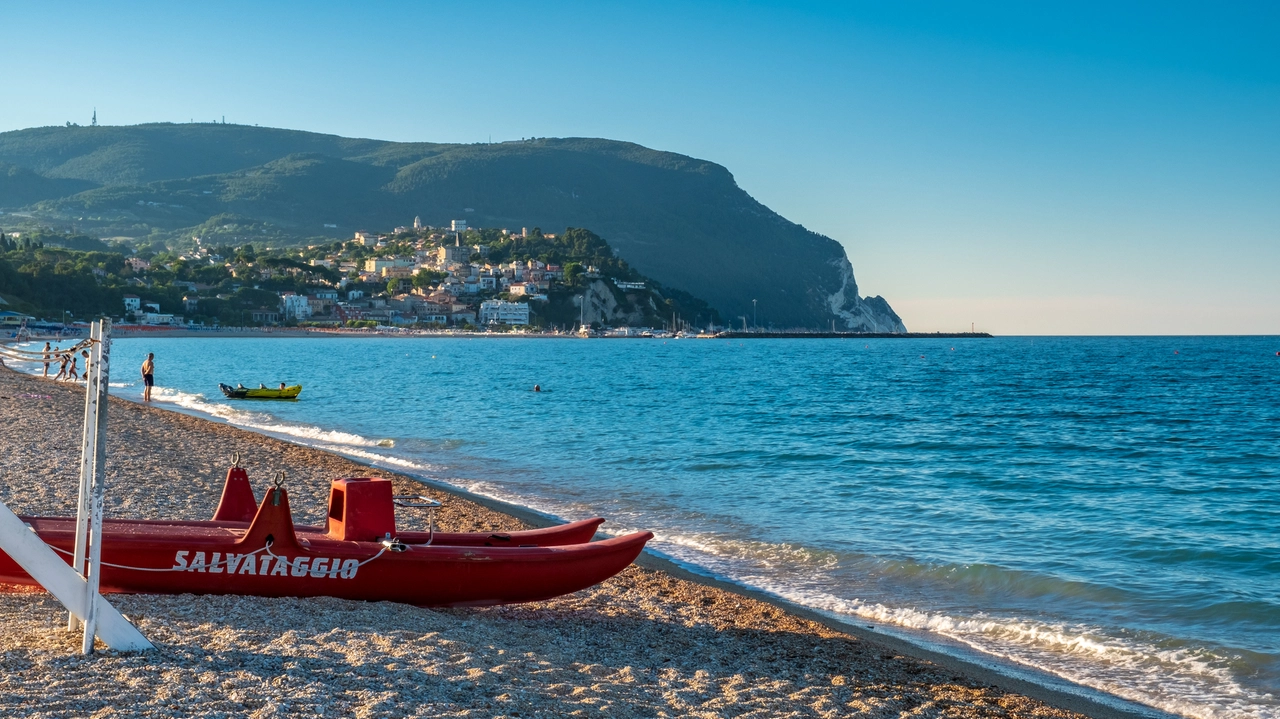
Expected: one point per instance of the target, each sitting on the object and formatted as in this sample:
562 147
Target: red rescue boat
358 555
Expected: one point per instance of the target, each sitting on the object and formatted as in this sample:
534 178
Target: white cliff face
858 314
603 306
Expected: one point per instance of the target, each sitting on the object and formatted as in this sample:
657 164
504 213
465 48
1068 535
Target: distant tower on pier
94 122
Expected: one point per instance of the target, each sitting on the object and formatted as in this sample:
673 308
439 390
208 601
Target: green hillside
680 220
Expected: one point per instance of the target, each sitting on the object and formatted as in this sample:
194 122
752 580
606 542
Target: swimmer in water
537 388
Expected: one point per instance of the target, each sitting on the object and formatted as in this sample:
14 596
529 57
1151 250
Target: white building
132 303
294 306
458 225
504 313
156 318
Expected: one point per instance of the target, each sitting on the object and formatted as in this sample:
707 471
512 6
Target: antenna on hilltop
94 121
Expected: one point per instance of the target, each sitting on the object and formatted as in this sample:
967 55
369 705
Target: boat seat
361 510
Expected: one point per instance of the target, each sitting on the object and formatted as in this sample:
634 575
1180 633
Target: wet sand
647 643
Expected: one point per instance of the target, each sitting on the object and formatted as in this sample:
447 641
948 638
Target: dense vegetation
39 276
677 219
51 279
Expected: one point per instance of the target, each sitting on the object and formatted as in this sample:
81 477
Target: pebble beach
647 643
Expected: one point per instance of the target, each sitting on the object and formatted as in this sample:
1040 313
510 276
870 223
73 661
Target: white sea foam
377 458
256 420
1180 682
543 505
1186 682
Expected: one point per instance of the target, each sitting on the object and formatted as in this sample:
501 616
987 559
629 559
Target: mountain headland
680 220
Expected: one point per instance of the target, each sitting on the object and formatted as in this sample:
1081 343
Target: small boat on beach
359 554
242 392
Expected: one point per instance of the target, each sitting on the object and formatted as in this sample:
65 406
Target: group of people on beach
68 367
68 364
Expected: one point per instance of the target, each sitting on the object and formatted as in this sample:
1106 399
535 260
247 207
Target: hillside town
415 276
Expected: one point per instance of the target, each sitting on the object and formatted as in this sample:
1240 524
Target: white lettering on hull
271 565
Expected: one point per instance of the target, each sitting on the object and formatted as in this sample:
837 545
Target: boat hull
205 558
263 393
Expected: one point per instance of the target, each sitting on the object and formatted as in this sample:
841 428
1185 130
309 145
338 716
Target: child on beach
72 374
148 375
62 368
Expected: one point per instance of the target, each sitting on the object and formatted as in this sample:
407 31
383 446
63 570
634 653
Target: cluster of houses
148 313
467 291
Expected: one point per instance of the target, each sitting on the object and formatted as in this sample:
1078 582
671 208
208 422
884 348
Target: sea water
1103 509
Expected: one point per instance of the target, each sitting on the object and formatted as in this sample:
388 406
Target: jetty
801 334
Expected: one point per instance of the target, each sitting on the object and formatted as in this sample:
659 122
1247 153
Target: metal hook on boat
279 480
394 544
235 459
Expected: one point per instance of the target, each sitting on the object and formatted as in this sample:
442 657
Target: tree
393 286
572 273
427 278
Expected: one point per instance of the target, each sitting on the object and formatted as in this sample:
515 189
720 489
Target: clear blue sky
1077 168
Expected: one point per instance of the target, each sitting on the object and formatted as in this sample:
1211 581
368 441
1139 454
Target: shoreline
1085 701
1039 685
162 333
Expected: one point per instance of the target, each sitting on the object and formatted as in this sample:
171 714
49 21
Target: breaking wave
257 420
1171 675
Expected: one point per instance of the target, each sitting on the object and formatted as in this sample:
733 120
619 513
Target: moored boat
242 392
359 554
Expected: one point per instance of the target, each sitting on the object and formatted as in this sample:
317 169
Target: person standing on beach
85 355
72 373
148 375
47 358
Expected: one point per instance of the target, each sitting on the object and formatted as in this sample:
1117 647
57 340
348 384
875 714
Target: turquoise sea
1103 509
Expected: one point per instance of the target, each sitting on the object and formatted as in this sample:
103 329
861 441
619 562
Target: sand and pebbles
644 644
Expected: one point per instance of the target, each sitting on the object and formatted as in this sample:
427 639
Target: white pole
86 467
48 569
100 376
24 546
